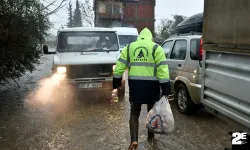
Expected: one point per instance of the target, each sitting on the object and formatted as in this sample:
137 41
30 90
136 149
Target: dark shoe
151 135
133 146
151 141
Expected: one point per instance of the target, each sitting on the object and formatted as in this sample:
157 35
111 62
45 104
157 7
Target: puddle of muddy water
39 122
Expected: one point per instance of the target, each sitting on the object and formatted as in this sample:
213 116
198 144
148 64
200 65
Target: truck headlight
113 67
61 70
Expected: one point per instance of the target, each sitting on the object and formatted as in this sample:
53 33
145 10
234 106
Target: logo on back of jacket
141 54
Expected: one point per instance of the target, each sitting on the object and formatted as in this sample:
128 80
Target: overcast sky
164 9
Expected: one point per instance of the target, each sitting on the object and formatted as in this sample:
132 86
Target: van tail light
201 49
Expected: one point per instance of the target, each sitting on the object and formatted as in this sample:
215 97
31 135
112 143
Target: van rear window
126 39
194 49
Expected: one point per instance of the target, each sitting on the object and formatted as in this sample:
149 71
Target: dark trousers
134 121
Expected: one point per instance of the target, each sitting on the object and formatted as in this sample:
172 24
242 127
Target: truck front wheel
184 101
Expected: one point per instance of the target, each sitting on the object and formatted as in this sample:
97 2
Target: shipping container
132 13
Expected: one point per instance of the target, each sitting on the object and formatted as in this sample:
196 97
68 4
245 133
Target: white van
126 35
87 57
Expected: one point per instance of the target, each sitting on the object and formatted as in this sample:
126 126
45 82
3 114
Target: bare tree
55 10
87 13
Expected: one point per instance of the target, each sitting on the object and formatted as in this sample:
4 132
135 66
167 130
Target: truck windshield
126 39
87 41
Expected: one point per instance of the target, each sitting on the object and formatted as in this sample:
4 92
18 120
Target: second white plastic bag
160 118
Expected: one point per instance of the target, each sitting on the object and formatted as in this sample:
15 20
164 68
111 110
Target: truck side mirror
45 49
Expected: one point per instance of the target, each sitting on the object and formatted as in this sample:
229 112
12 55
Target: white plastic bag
160 118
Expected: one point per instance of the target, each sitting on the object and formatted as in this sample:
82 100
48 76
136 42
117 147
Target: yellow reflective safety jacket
147 69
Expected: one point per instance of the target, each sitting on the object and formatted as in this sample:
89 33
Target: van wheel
184 101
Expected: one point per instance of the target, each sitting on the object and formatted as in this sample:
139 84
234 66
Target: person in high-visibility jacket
148 75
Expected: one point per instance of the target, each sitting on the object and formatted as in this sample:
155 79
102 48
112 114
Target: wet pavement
91 124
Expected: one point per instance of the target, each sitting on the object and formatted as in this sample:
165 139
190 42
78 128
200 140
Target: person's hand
116 83
167 98
166 89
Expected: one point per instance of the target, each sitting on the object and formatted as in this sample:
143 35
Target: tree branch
61 5
87 13
16 82
28 76
46 7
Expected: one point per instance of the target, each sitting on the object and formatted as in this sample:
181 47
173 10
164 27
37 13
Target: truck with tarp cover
226 60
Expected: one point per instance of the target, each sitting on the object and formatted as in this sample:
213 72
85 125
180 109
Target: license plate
90 85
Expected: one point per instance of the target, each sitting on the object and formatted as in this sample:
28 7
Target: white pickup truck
87 57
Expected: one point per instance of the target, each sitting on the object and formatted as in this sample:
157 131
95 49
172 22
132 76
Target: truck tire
184 101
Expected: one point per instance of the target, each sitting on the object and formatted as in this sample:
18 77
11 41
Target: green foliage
77 17
177 20
70 19
23 26
167 27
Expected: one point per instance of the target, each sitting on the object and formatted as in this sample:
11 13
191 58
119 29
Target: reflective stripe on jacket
144 59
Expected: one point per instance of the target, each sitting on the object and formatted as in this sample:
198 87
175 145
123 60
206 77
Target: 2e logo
240 141
239 138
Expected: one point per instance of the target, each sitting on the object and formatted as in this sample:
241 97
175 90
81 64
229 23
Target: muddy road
88 124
